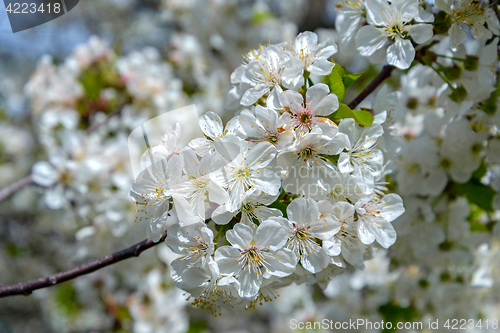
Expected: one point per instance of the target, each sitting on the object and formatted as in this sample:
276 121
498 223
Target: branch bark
26 288
13 188
384 74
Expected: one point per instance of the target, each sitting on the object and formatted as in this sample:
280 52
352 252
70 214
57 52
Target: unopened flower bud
471 63
452 73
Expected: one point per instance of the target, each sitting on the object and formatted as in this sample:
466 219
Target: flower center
397 30
336 195
273 139
469 13
242 173
304 118
307 152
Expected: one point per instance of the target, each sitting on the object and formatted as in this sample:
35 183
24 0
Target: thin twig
13 188
384 74
26 288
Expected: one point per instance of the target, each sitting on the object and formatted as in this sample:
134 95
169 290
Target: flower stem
452 58
384 74
443 78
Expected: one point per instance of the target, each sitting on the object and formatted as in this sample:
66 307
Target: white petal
378 12
369 39
457 35
271 235
43 174
401 53
315 259
421 33
226 257
393 207
240 236
221 215
408 8
211 124
365 234
344 163
291 101
384 234
253 94
315 94
321 67
272 100
250 282
283 262
216 193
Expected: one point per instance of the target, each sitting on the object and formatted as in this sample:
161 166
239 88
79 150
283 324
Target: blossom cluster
290 187
293 195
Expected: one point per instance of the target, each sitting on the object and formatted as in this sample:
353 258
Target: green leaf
279 203
480 172
364 118
350 79
66 299
335 82
394 313
339 70
343 112
261 16
477 193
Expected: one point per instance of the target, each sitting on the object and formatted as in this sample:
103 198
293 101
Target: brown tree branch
26 288
13 188
384 74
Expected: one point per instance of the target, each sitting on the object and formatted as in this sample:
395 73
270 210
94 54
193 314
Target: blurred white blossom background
72 91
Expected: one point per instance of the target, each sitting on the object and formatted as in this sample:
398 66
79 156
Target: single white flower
151 193
215 291
362 155
308 55
265 124
391 21
346 241
255 254
195 243
469 13
213 130
306 224
305 164
253 208
306 114
375 217
264 74
247 169
196 185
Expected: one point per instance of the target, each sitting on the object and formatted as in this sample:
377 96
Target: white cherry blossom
307 54
305 114
255 254
305 163
391 21
195 243
247 169
265 124
306 224
375 217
